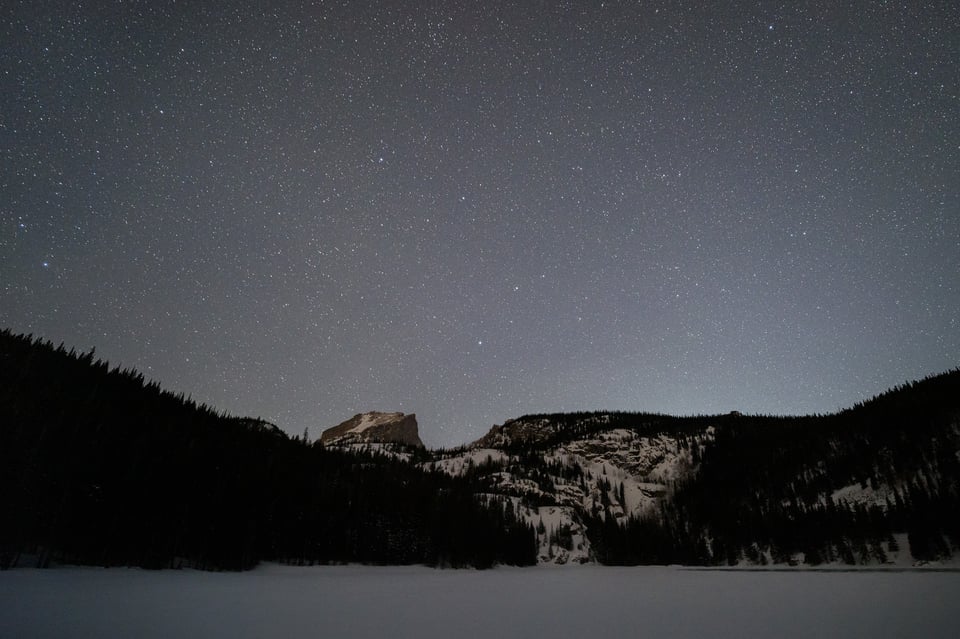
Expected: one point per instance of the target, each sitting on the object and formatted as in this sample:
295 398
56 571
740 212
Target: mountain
566 473
99 466
875 484
374 427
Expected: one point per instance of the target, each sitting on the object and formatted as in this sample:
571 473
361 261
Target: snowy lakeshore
397 602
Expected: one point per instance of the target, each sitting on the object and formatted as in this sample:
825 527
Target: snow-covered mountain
374 427
560 472
874 484
878 483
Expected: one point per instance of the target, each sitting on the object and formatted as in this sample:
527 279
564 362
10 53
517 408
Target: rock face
524 430
564 473
375 428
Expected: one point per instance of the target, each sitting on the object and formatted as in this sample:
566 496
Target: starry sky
477 210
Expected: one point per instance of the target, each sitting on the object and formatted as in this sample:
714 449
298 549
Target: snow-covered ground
397 602
460 463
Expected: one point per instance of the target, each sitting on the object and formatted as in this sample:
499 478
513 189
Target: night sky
476 210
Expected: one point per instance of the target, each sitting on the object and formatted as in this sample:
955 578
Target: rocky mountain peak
375 427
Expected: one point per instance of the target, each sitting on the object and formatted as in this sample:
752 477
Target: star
692 247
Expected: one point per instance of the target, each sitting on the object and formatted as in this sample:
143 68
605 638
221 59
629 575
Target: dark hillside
99 466
766 485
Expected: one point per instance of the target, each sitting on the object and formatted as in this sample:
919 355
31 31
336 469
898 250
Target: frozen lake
396 602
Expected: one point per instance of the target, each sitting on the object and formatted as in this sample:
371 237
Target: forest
98 466
763 487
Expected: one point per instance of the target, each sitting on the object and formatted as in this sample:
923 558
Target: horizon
315 434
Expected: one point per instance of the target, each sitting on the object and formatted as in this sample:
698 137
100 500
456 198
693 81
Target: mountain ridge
115 471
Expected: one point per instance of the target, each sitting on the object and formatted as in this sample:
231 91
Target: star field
476 210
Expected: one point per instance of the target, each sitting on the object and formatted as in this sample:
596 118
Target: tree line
99 466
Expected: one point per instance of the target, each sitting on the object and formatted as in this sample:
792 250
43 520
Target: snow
621 473
553 519
369 420
867 494
399 602
471 458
